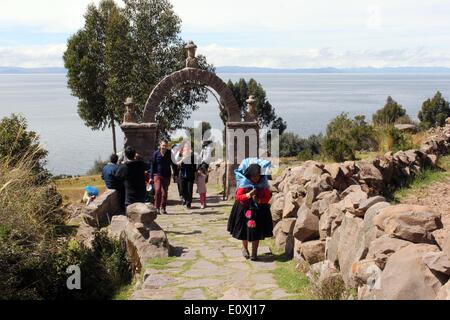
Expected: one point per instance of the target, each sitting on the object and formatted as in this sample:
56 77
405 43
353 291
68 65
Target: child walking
201 185
250 219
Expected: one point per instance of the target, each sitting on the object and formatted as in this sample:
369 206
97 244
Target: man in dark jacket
160 175
132 173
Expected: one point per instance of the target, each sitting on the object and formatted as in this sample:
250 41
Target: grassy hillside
72 189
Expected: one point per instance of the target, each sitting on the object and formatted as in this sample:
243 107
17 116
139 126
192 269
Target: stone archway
143 136
185 77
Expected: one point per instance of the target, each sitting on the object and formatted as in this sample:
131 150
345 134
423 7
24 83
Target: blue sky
283 33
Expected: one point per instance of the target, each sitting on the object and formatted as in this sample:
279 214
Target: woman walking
187 171
250 219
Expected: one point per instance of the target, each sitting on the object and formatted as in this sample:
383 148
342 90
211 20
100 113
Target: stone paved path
207 262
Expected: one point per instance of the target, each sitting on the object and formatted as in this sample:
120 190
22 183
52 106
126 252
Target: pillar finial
130 114
191 61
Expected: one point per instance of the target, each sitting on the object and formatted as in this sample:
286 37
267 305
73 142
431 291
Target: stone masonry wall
334 219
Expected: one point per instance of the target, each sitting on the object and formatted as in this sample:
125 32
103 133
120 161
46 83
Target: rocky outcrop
338 219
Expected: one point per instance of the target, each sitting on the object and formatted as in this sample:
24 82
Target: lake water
306 101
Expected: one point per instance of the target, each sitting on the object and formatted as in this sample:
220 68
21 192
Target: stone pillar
242 141
141 136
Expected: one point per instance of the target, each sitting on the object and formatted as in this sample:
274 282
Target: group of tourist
133 175
250 219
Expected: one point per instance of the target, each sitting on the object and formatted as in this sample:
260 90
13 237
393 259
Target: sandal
254 258
245 253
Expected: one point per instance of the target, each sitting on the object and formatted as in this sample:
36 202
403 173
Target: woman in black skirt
250 219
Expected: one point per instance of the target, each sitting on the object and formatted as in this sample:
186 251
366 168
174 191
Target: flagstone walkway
207 263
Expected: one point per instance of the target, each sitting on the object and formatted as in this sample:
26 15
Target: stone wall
334 219
142 237
98 213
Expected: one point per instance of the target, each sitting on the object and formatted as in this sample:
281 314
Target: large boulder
141 213
277 206
366 272
283 235
313 169
144 242
324 200
290 206
444 292
330 220
370 174
368 203
337 174
406 277
382 248
409 222
350 189
323 272
351 246
313 189
332 246
307 225
437 261
282 177
353 201
313 251
372 232
117 226
446 244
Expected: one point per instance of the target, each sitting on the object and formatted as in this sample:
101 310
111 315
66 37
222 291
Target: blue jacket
109 176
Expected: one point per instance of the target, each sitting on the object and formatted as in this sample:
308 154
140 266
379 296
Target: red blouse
264 195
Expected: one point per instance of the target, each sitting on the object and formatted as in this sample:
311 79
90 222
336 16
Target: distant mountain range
233 69
19 70
334 70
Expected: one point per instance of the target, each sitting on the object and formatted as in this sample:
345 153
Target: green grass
72 189
125 292
362 155
159 263
291 280
287 276
4 232
424 179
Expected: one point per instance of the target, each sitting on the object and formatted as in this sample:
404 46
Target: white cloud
283 33
323 57
46 15
33 56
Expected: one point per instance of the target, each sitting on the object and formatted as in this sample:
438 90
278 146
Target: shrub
17 143
35 251
390 113
97 168
345 136
292 145
40 273
434 112
392 139
338 149
332 288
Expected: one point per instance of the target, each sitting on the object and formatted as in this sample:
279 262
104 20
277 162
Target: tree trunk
113 128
